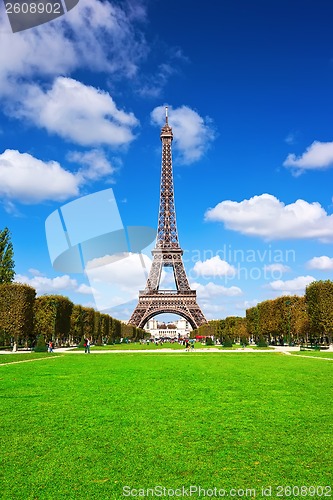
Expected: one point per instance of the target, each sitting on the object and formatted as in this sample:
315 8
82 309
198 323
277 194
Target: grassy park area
85 426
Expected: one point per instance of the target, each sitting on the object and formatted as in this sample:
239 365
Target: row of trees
24 318
287 319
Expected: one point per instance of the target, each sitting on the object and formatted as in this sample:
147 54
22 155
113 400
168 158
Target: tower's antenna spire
166 114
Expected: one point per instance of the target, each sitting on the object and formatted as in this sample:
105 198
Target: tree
17 312
7 263
76 325
319 300
53 318
40 344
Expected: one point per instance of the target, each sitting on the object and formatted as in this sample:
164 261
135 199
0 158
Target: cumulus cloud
29 180
42 284
318 156
270 218
214 267
85 289
296 285
213 311
212 290
117 278
94 164
322 263
192 134
77 112
277 268
247 304
96 36
101 36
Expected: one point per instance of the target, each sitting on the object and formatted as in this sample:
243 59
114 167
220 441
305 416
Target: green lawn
10 358
84 427
317 354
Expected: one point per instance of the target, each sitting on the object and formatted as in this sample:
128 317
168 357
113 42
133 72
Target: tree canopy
7 263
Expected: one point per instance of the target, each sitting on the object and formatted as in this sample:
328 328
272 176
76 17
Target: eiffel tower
167 253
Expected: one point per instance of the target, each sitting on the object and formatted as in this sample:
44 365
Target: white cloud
77 112
95 36
30 180
35 272
85 289
322 263
291 138
211 290
318 156
214 267
42 284
98 35
248 304
296 285
277 268
270 218
213 311
94 164
192 133
116 279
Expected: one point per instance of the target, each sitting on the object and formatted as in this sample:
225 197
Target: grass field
85 426
317 354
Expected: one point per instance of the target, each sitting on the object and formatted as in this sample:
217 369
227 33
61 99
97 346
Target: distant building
173 330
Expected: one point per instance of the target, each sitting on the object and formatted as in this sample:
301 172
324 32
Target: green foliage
319 300
244 341
209 341
97 327
227 342
81 344
17 312
7 264
41 344
252 321
76 324
116 328
88 318
261 342
208 329
23 318
233 327
284 318
53 317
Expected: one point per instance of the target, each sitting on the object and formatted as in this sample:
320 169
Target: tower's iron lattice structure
167 253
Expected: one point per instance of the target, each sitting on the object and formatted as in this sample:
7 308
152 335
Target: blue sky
249 90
